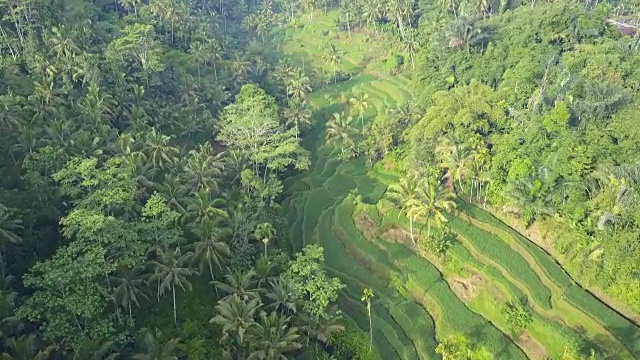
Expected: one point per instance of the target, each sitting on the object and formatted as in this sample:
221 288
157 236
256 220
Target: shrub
351 343
518 317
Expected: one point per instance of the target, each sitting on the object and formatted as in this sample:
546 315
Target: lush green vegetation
300 179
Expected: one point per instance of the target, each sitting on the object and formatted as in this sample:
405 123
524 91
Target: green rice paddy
416 300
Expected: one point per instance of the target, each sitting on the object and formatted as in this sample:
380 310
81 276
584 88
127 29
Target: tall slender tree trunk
265 248
175 313
460 183
370 327
471 191
211 271
429 227
411 228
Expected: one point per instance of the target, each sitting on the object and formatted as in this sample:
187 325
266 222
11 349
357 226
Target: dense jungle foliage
144 148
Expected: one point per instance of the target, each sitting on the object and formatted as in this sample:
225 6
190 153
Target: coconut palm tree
360 103
241 283
92 349
339 129
9 114
26 348
367 294
203 207
264 269
333 56
404 195
155 349
170 272
9 226
297 114
203 168
465 33
130 4
435 200
411 45
128 287
210 251
321 328
281 296
298 86
272 338
236 317
213 50
450 6
198 54
453 154
265 233
158 150
174 191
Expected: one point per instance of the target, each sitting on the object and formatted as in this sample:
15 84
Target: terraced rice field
418 299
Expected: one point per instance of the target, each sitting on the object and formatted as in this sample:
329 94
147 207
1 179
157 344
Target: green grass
511 261
551 268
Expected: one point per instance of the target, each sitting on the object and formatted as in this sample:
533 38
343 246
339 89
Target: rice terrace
420 298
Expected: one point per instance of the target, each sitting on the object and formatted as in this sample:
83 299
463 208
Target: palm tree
453 154
169 272
297 114
464 33
155 349
236 316
477 169
411 45
334 57
265 232
203 168
359 102
174 192
264 269
127 288
213 52
204 207
281 296
367 294
240 68
92 349
404 195
435 199
198 53
450 6
298 86
321 328
26 348
339 129
209 251
239 283
130 4
272 338
9 225
157 149
9 116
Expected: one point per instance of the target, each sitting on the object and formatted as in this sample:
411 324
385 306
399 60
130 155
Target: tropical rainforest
319 179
